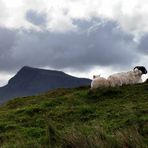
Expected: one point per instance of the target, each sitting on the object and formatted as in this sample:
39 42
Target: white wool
119 79
99 82
124 78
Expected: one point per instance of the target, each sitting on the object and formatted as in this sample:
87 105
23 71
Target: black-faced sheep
130 77
119 79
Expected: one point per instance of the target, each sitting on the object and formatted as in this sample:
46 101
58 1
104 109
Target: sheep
99 82
130 77
119 79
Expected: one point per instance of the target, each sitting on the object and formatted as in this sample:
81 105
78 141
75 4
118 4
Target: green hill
77 118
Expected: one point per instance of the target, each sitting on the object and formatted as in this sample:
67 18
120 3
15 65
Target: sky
80 37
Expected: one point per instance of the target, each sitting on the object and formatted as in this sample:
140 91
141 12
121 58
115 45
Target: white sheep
119 79
130 77
99 82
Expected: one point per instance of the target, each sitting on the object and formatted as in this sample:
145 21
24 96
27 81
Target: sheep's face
96 76
141 68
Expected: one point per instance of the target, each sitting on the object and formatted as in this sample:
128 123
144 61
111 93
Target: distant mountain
31 81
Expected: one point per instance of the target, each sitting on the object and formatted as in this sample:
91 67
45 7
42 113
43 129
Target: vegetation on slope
77 118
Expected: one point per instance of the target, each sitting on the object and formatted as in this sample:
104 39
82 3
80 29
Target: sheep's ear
94 76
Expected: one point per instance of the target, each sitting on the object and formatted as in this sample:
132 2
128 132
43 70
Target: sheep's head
96 76
141 68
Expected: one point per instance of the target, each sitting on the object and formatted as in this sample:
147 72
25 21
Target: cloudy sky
81 37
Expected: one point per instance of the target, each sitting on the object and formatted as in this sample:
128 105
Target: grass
77 118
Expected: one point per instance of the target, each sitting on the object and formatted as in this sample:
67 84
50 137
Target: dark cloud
143 45
36 18
8 39
96 43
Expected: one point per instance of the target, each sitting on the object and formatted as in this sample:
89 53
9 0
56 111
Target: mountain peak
27 68
32 81
37 70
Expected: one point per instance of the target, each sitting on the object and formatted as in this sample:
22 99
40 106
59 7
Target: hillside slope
77 118
31 81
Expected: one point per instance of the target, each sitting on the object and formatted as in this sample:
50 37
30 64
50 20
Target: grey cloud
103 44
82 24
143 45
8 38
36 18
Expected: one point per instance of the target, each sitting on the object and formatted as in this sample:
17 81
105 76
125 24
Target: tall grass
127 138
77 118
77 138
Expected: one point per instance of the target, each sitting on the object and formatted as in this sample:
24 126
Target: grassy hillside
77 118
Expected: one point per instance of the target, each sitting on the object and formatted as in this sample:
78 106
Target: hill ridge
77 117
31 81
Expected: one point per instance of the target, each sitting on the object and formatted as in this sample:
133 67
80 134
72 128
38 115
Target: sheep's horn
142 68
145 71
136 67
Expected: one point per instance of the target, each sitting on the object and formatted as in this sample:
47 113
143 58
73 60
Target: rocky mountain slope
31 81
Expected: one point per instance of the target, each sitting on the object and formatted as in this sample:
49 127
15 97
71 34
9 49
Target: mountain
31 81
